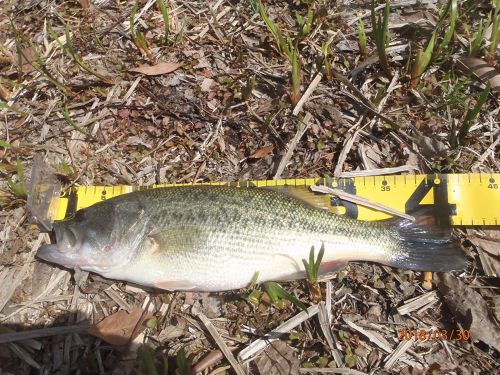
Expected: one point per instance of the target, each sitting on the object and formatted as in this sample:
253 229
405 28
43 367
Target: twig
380 342
378 171
258 345
361 200
220 343
304 125
327 331
315 82
42 332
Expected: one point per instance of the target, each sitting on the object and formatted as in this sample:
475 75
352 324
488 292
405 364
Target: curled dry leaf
260 153
469 308
481 70
121 327
158 69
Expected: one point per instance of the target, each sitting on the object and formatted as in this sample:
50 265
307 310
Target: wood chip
258 345
397 353
220 343
418 302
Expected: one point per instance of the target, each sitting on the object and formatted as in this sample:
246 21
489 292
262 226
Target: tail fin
427 248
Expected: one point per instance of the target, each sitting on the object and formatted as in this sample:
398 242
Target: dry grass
68 90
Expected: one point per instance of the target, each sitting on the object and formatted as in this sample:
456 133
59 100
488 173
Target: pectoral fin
178 239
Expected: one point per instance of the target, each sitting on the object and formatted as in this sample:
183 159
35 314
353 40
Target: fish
219 238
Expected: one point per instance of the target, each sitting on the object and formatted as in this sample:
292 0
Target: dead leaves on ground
121 327
469 308
158 69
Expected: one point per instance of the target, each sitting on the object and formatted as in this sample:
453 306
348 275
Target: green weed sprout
305 24
288 47
283 44
37 64
495 32
19 188
70 121
252 293
424 58
67 47
277 294
472 114
164 13
246 90
312 272
380 27
139 39
476 43
326 61
362 37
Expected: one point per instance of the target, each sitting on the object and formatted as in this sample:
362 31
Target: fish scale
214 238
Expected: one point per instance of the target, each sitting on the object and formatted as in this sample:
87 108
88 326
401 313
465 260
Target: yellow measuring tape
468 199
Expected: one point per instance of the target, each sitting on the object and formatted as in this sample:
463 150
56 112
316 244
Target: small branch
258 345
361 200
315 82
304 125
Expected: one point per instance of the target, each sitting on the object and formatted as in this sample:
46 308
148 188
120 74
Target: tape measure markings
469 200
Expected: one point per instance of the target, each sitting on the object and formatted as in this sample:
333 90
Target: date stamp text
433 334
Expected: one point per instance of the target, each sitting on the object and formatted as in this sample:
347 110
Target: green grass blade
453 6
165 15
146 355
472 114
277 293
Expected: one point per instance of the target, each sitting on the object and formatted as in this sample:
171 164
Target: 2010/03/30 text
433 334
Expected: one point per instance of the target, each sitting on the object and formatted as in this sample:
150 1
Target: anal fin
329 269
174 284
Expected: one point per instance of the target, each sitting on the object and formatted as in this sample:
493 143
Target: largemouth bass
215 238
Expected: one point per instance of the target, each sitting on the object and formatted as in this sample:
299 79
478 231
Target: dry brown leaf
260 153
430 146
470 308
28 56
482 71
158 69
279 358
4 93
491 247
121 327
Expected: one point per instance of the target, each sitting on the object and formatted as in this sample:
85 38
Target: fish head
88 241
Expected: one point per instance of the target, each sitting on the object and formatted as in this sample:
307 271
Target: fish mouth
67 250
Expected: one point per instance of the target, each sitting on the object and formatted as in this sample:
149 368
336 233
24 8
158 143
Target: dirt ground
237 91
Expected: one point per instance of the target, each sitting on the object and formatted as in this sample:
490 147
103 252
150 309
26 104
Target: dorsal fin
303 194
